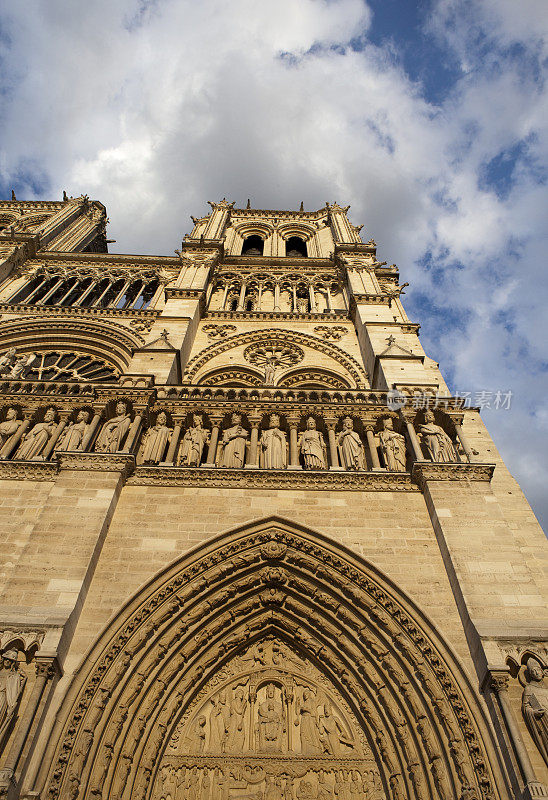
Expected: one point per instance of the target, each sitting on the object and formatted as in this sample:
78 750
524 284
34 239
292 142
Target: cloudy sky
427 116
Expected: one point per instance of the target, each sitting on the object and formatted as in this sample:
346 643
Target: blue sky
428 117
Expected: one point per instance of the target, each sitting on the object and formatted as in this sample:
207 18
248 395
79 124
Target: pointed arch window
253 246
295 247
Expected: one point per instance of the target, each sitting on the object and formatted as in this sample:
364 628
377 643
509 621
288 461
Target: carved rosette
205 676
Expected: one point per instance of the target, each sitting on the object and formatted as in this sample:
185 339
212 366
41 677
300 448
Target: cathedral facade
253 547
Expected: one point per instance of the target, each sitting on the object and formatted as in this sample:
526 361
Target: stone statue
392 446
269 371
271 723
235 739
155 441
73 435
218 723
233 444
9 426
534 705
273 453
35 440
331 732
312 446
438 444
194 440
11 685
113 432
12 365
308 722
350 447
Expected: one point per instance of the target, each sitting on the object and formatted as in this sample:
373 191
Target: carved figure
534 705
438 444
308 722
350 447
12 365
392 447
73 435
306 791
35 440
331 732
194 440
273 453
270 371
312 446
113 432
235 739
218 723
9 426
155 441
273 789
11 685
271 723
233 444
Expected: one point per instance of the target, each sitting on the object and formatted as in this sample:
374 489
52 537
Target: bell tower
254 547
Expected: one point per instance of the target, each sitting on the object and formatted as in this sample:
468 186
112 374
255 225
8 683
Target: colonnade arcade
200 428
270 663
292 292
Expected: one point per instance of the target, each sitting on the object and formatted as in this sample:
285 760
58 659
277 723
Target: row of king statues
234 446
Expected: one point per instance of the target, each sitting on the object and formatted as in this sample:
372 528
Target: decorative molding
289 316
325 480
76 311
28 470
123 463
424 471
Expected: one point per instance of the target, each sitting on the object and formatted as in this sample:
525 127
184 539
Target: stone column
277 296
330 424
293 421
241 301
132 434
415 444
252 460
46 669
463 440
312 299
172 449
497 681
369 432
91 430
212 450
53 441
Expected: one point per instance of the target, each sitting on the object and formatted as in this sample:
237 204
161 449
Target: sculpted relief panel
272 728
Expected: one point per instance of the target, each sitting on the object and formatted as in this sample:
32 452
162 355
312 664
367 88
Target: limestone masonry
253 548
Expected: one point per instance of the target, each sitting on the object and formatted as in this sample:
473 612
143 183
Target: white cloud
156 107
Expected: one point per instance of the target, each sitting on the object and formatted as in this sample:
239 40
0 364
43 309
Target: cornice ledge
178 292
273 479
28 470
123 463
424 471
372 298
77 311
335 316
109 258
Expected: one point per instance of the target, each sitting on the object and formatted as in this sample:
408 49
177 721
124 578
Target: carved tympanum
274 727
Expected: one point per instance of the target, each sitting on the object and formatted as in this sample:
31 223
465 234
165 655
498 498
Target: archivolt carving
199 682
105 339
276 336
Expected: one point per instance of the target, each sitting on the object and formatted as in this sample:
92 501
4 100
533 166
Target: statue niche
274 728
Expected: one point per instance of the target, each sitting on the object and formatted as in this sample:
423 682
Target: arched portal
271 663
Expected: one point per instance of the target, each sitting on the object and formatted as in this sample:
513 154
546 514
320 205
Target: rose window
274 354
59 366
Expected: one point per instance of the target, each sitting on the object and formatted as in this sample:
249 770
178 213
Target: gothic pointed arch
355 373
271 662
